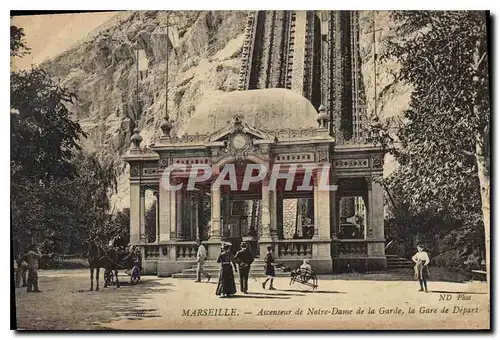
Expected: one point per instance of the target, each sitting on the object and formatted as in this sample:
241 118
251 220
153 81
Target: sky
50 34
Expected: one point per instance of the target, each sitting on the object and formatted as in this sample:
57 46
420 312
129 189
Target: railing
151 251
296 133
185 138
294 248
186 251
353 247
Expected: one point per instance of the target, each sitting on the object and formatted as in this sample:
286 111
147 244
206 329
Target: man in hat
201 257
244 258
33 259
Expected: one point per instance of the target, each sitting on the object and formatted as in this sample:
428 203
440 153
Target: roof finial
322 117
136 138
167 125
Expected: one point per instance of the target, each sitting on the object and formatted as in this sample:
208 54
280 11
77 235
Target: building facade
300 101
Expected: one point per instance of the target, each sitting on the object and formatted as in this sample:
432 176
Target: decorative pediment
238 126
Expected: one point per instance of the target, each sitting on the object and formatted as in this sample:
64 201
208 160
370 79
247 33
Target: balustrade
294 248
352 248
151 251
186 251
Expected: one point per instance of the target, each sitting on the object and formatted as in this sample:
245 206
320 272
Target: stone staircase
396 262
212 267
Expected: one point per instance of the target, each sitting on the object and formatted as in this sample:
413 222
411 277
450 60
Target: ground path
165 303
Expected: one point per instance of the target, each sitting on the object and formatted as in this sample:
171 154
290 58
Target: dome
267 109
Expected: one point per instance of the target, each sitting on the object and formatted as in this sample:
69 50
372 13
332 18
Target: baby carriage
135 272
302 276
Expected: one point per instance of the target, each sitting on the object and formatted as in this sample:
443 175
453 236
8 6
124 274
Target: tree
443 145
18 46
44 138
58 194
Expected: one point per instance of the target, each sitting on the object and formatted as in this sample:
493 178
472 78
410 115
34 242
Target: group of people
27 265
240 263
230 264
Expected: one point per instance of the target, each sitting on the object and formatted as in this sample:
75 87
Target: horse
110 263
100 258
109 259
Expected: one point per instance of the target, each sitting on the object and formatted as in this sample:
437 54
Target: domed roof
267 109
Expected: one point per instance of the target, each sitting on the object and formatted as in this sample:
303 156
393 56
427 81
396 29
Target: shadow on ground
454 292
68 303
402 274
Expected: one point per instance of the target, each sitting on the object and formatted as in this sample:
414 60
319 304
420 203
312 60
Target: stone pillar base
165 268
359 264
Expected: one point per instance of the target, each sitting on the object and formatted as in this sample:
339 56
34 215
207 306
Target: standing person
269 268
16 269
421 259
244 258
33 259
226 285
21 271
201 257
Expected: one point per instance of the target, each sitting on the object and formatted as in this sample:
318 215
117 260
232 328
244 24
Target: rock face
391 100
203 58
204 49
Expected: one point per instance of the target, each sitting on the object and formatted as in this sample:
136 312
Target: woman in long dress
421 259
226 285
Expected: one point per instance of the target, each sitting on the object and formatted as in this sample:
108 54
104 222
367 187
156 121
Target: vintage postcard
250 170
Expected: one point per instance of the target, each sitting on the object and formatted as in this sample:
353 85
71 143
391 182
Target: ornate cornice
247 51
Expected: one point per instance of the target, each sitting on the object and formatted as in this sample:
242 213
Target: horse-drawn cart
132 268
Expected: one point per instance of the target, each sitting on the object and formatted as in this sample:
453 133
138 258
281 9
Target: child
269 268
305 265
421 260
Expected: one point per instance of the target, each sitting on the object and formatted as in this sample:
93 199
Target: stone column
273 214
369 208
165 225
173 215
377 214
157 219
316 207
322 209
200 225
135 192
375 233
194 227
193 203
266 217
334 227
279 214
265 238
215 214
224 224
178 215
142 213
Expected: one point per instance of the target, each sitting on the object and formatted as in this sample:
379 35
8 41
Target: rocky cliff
203 57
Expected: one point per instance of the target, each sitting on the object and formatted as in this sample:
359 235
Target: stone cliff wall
101 70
